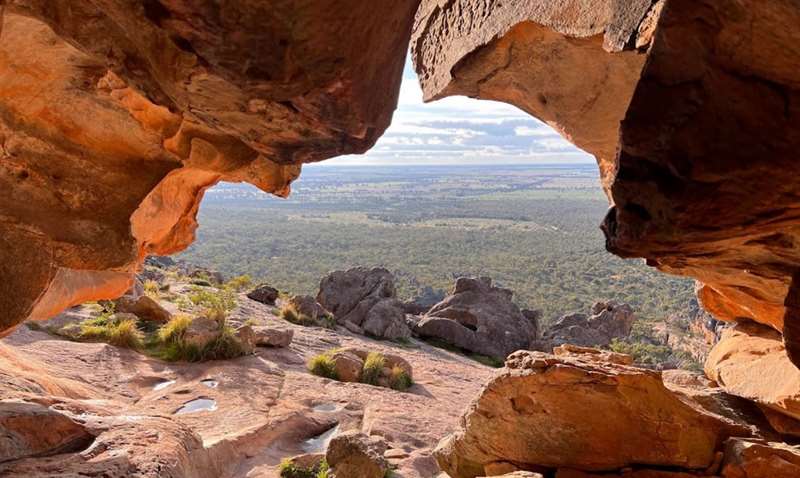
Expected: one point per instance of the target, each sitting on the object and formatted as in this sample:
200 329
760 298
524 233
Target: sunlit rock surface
115 116
691 108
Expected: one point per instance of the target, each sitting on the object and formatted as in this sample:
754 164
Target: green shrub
373 367
173 331
323 365
223 300
288 469
225 346
122 333
400 379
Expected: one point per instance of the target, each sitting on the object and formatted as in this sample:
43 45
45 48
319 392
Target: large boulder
264 293
570 411
608 320
341 291
480 318
386 320
201 331
747 458
365 300
750 361
30 429
353 454
143 307
271 337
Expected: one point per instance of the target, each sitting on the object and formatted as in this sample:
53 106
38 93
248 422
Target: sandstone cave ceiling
116 115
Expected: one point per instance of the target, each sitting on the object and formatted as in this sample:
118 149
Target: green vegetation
532 229
400 379
323 365
217 301
288 469
239 283
290 314
151 289
115 331
373 366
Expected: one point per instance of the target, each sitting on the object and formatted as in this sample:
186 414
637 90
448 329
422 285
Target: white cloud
465 131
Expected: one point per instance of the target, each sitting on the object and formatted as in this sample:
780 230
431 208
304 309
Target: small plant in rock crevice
373 367
399 379
323 365
287 469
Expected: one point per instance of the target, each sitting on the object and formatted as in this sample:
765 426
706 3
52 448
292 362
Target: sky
461 130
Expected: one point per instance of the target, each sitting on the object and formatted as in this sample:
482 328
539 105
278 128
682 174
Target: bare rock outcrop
608 320
541 413
689 107
264 293
365 300
479 317
33 430
116 116
750 361
354 454
760 459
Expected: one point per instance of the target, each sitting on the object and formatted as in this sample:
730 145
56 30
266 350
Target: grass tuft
373 367
323 365
287 469
399 379
122 333
151 289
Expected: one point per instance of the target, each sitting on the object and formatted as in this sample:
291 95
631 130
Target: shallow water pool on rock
210 383
163 384
197 405
325 407
319 443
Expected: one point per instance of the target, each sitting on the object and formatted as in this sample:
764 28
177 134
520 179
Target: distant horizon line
449 165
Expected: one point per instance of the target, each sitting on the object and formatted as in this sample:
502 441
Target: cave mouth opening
458 187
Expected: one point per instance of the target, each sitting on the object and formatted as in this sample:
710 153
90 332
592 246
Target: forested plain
533 229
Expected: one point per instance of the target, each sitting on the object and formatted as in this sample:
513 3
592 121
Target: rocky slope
123 413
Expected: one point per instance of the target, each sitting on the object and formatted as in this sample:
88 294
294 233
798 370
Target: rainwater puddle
319 443
197 405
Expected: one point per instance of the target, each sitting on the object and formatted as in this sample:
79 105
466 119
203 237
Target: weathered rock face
689 106
760 459
365 301
750 361
479 317
30 429
608 320
354 454
116 116
541 413
264 293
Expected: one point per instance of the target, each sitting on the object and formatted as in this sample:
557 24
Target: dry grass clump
323 365
107 328
288 469
373 368
290 313
400 379
151 289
